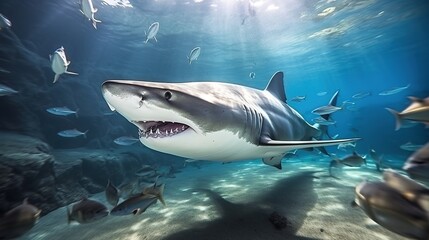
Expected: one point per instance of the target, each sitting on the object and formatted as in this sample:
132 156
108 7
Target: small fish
361 95
393 91
134 205
252 75
417 111
59 63
5 90
353 160
125 141
324 110
87 211
326 12
410 146
87 8
345 146
4 70
62 111
112 193
298 98
377 159
323 121
4 22
392 210
417 165
336 136
71 133
153 30
194 54
321 94
18 220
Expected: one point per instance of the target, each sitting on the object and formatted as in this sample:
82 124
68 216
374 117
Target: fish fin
324 151
332 102
94 24
355 153
68 63
71 73
398 118
160 196
95 10
156 40
57 76
276 86
76 113
84 133
25 201
291 145
353 204
81 11
275 161
415 99
96 20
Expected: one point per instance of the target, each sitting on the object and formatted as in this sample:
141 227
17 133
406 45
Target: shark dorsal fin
276 86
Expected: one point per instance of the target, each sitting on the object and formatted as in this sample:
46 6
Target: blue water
363 46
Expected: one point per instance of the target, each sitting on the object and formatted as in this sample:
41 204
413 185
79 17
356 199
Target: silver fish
112 193
328 109
194 54
321 94
19 220
125 141
134 205
151 33
5 90
417 165
417 111
87 8
62 111
87 211
410 146
323 121
361 95
71 133
298 98
393 91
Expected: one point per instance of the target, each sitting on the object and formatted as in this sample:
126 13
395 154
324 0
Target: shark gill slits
167 95
141 101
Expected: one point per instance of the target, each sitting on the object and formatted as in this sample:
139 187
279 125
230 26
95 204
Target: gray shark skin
214 121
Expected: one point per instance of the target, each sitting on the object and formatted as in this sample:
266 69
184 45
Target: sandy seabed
235 201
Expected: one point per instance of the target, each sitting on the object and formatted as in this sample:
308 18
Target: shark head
175 118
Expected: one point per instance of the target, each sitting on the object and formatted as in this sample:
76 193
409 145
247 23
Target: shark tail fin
76 113
94 23
398 118
57 76
71 73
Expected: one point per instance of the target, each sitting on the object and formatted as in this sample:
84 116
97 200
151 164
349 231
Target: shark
214 121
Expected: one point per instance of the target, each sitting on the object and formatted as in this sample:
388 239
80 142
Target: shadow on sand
292 197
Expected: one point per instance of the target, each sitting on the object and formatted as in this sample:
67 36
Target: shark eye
167 95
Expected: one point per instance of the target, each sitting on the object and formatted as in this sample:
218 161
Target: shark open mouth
159 129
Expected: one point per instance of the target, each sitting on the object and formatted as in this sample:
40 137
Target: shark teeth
159 129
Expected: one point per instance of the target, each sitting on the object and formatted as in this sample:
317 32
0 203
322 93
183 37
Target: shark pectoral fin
275 161
291 145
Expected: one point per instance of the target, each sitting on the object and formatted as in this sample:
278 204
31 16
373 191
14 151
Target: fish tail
160 196
76 113
57 76
71 73
84 134
94 23
398 118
